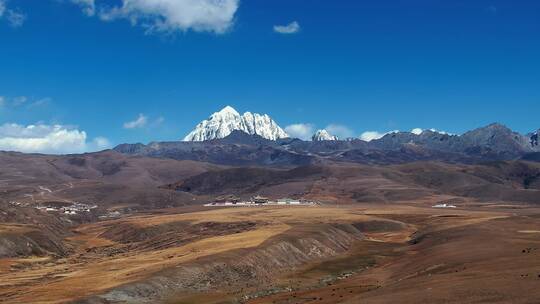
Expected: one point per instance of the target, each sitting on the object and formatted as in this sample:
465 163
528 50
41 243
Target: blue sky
360 65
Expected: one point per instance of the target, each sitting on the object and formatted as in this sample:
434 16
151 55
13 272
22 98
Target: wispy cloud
168 16
14 16
144 122
88 6
340 131
139 122
291 28
40 102
19 101
100 143
300 130
52 139
24 102
158 121
492 9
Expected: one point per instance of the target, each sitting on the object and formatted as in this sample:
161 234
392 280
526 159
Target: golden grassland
83 274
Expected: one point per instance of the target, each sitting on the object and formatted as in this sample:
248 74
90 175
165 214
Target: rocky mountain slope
104 178
492 139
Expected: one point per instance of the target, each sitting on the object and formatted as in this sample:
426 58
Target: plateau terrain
131 226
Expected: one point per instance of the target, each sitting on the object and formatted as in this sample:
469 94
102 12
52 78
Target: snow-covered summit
222 123
321 135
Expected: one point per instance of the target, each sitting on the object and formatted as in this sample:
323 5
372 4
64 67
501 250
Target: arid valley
325 254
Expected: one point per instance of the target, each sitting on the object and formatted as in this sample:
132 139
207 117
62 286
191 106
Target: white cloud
290 28
339 131
40 102
15 18
51 139
301 130
88 6
143 121
158 121
372 135
24 101
19 101
417 131
168 16
137 123
100 143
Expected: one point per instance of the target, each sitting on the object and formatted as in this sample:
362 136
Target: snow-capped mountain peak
228 110
321 135
222 123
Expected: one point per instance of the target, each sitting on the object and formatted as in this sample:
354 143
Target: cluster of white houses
232 201
444 206
72 209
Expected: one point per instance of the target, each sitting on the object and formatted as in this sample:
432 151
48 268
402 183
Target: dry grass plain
407 253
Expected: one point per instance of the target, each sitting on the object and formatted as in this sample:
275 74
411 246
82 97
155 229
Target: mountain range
229 138
222 123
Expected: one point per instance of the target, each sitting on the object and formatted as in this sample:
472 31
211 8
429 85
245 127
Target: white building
288 201
444 206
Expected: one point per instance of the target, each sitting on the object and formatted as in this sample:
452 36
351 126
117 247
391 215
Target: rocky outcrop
32 243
